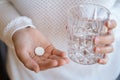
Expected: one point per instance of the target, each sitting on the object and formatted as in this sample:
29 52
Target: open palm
26 40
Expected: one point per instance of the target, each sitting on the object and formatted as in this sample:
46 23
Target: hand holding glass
85 22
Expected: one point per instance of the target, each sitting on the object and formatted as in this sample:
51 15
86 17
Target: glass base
85 60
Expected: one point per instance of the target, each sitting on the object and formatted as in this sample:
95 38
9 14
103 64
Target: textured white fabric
50 17
5 10
17 24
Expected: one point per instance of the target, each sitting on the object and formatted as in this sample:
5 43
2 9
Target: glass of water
85 22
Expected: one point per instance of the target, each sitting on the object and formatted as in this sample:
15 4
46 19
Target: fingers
52 50
48 51
111 24
104 60
106 39
32 65
109 38
51 62
61 60
104 42
51 58
104 49
28 61
58 53
45 63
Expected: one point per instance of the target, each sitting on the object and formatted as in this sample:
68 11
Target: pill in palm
39 51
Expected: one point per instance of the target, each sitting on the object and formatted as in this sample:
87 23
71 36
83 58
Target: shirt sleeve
115 14
11 21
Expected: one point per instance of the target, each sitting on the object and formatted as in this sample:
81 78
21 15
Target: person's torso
50 17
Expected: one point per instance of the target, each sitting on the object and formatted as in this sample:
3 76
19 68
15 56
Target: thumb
32 65
111 24
28 61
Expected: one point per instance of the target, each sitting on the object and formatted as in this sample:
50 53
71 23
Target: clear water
81 43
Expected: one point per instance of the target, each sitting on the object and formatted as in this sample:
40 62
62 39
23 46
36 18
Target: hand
26 40
107 40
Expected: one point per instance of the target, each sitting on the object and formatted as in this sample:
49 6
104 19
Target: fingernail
97 40
97 50
101 61
36 69
109 23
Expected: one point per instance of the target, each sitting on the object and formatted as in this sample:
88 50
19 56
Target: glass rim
93 4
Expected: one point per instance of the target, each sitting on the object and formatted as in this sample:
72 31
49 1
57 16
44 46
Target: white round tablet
39 51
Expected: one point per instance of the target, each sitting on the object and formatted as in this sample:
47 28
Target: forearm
11 21
7 13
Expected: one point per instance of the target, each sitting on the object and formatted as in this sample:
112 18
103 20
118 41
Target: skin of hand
106 40
26 40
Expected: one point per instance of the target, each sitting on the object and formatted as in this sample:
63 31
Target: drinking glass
85 22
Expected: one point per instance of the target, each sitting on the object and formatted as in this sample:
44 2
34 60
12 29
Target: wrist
21 30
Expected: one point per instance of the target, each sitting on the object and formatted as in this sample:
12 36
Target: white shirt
50 17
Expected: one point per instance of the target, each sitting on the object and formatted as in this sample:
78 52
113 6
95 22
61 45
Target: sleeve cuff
15 25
